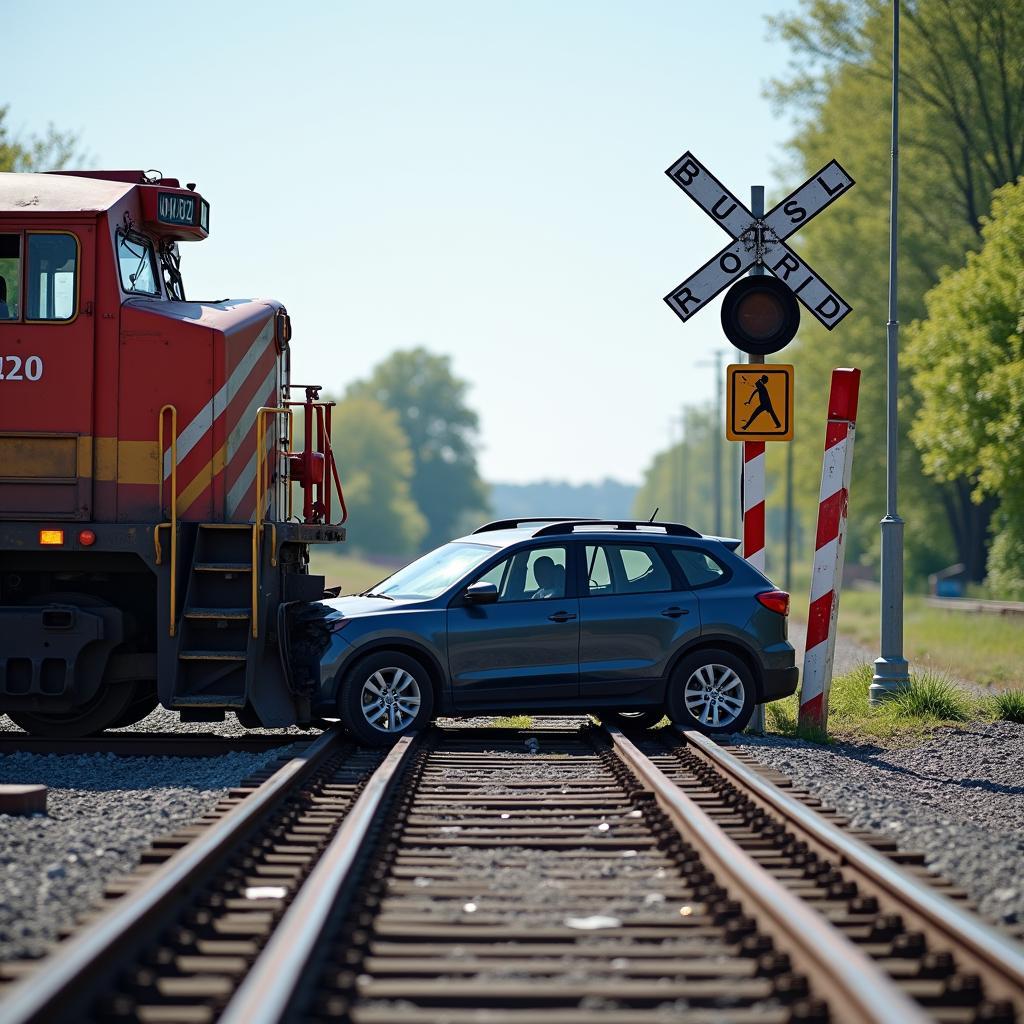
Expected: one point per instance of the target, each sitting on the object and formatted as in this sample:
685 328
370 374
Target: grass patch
930 701
352 572
1009 706
513 722
987 649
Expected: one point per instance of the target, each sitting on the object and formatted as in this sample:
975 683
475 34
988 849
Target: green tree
967 359
48 152
442 430
376 464
962 126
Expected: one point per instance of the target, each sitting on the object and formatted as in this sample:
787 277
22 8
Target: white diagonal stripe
244 482
247 420
823 575
191 435
753 482
756 559
833 469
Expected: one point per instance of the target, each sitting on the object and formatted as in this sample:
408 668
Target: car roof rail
512 524
569 525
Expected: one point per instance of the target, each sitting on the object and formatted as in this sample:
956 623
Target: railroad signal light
760 315
51 537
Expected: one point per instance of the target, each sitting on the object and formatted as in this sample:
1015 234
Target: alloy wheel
390 699
714 695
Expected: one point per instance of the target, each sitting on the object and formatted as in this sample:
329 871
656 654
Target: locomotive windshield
137 264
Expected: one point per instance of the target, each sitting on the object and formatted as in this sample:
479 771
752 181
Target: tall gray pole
717 435
758 725
891 669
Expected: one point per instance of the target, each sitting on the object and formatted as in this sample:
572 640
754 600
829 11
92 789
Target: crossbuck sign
759 240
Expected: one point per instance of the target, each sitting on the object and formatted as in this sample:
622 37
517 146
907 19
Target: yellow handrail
261 465
173 524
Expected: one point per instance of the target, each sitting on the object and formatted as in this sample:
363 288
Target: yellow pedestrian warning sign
759 402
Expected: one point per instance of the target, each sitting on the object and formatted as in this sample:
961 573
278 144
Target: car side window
626 569
535 574
699 568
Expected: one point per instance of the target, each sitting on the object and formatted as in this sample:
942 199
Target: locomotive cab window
10 277
51 278
137 264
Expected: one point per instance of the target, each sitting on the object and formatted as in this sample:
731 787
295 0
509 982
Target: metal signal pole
891 669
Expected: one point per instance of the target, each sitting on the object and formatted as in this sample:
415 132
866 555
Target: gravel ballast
958 798
103 811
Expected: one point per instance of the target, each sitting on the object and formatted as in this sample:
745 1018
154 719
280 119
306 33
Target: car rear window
699 568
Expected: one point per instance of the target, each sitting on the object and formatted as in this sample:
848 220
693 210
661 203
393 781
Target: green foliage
961 125
930 697
376 467
967 359
51 151
430 402
1009 706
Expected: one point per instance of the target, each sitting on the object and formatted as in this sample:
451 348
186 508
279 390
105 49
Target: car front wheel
385 696
712 691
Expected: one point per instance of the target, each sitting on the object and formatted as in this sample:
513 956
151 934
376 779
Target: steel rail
992 951
55 988
859 990
272 980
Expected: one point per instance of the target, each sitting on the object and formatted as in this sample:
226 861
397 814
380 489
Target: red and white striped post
753 503
826 577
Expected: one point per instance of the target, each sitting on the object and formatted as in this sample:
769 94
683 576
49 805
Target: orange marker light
51 536
86 538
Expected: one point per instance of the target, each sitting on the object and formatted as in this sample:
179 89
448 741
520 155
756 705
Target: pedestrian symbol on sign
759 403
764 402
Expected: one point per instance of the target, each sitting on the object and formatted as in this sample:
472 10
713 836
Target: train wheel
108 706
632 719
144 702
384 697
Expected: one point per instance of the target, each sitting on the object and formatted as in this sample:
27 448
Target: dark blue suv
624 620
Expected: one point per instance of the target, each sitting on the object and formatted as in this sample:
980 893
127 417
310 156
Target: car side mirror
481 593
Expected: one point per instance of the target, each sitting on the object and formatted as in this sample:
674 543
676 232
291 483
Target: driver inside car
550 578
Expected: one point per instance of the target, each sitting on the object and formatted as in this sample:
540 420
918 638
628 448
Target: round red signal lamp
86 538
760 315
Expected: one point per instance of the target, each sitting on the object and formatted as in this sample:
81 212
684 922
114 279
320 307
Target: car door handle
675 611
562 616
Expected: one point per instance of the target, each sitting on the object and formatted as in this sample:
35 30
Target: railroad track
149 744
548 875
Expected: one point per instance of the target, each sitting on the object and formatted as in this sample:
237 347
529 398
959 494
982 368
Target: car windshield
433 573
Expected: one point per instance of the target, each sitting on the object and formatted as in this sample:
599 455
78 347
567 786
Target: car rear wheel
385 696
712 691
632 719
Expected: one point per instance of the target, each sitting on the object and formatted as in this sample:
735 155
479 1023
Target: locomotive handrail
173 524
260 517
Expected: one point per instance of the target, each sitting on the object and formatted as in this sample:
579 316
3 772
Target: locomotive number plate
172 209
16 368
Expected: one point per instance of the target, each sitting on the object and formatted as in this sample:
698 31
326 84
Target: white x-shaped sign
759 241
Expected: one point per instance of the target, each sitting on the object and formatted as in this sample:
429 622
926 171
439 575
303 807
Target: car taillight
775 601
86 538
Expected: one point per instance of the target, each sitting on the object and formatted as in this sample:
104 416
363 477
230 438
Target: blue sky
485 179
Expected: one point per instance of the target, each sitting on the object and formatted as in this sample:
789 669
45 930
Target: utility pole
684 462
717 430
891 669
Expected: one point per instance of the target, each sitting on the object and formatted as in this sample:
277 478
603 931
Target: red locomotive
147 541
